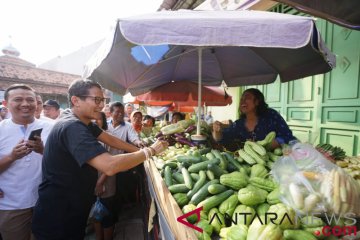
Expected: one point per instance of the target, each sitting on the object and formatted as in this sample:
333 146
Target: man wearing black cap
51 109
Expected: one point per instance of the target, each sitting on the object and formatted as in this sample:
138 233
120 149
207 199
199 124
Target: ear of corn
310 202
296 195
336 194
311 175
340 192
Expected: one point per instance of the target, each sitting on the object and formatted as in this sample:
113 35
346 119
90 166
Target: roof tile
16 70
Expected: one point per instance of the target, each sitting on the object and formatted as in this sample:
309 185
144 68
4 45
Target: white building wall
228 112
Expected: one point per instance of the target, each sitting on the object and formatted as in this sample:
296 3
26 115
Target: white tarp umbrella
208 47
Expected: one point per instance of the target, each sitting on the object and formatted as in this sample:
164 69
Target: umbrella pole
198 128
198 137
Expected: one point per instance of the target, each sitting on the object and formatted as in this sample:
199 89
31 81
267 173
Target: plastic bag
310 183
98 211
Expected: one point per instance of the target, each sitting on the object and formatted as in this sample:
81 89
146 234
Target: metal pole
199 92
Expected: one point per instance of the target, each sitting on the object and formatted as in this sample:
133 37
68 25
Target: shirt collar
121 123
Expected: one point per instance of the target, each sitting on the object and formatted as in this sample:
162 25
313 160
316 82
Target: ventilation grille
283 8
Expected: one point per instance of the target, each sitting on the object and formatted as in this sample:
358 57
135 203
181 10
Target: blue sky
44 29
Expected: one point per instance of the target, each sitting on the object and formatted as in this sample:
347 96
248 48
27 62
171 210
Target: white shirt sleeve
132 134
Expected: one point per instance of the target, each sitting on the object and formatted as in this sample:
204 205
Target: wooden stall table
167 208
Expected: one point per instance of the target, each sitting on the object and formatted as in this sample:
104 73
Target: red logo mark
182 219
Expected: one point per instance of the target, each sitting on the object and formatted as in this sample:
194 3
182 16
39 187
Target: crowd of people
49 183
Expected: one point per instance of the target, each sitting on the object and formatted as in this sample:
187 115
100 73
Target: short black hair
129 104
115 104
17 86
80 87
182 117
146 117
52 103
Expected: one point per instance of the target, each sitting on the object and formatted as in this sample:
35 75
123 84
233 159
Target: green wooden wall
324 108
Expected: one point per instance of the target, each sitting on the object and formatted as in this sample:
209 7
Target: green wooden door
324 108
339 106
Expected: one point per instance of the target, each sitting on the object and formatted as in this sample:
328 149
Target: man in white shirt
3 112
129 108
39 109
127 183
209 118
121 128
20 162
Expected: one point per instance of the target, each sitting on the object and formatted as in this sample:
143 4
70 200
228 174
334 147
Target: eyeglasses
97 100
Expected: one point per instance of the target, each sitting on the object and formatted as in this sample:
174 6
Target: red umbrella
186 109
158 103
134 100
185 93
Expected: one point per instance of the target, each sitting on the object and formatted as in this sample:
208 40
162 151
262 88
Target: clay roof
16 70
15 60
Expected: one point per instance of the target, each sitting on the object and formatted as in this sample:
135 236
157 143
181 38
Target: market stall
167 208
247 48
257 182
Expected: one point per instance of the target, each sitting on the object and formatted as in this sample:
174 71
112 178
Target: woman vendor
256 121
